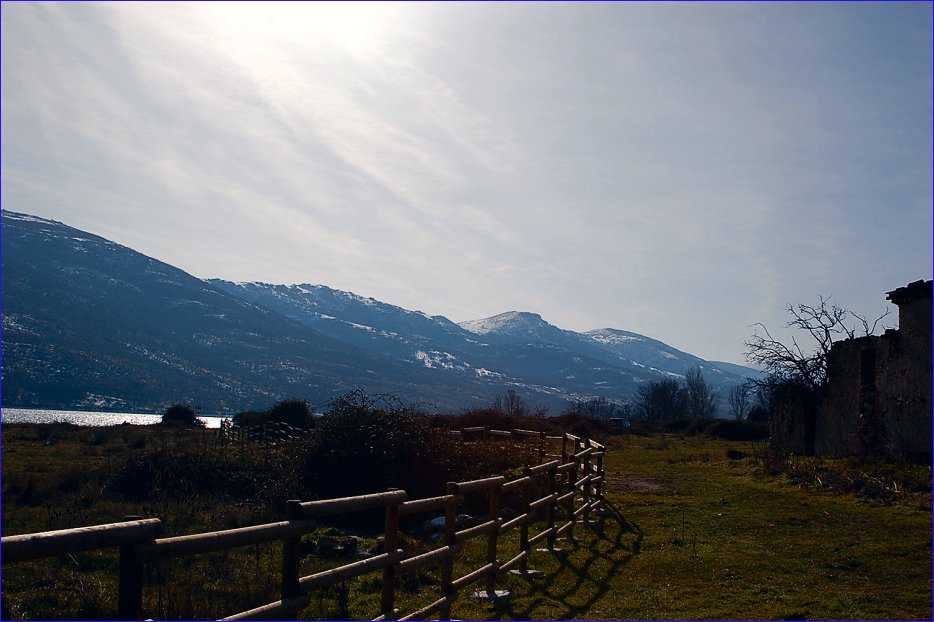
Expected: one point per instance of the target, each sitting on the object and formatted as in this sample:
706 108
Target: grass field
698 528
705 537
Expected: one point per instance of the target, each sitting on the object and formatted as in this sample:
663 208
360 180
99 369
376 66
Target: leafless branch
822 323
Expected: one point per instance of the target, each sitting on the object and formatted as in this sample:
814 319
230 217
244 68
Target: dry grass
699 529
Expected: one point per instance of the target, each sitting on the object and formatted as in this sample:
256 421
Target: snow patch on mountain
520 324
30 218
509 322
612 336
434 359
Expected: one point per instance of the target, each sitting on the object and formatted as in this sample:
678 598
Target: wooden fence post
291 556
447 566
586 490
601 475
130 585
552 480
492 540
391 543
524 527
569 508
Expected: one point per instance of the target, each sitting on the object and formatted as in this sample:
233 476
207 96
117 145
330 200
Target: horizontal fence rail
76 540
570 485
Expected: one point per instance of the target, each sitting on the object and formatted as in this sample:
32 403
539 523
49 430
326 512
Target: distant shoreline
76 409
89 418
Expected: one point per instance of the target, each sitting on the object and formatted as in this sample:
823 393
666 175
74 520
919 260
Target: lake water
87 417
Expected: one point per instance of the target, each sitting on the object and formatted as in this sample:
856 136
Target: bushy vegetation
181 415
360 445
494 419
293 412
366 445
361 448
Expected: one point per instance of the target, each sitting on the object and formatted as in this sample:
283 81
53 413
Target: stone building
877 400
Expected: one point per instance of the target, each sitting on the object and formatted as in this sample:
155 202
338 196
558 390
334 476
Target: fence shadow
584 574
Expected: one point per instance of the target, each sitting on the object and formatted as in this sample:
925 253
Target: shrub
181 415
492 418
358 451
249 418
293 412
581 425
364 445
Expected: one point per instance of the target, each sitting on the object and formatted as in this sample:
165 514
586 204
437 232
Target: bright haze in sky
678 170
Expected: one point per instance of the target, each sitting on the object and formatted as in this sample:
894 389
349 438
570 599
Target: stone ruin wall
846 419
904 396
877 402
792 421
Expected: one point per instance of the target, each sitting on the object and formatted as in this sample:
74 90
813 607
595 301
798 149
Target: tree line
692 397
668 399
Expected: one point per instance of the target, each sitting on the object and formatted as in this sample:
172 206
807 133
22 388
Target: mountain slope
87 322
517 348
432 342
364 322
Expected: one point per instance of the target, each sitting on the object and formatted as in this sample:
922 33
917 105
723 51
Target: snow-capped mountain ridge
132 327
513 345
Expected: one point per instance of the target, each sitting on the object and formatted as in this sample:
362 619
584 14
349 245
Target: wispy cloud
652 167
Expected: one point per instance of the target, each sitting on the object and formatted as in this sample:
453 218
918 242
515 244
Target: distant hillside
518 349
87 322
90 323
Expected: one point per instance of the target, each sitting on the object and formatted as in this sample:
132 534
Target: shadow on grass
584 575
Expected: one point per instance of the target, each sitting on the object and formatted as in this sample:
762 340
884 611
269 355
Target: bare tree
661 400
759 408
511 404
596 408
602 408
702 400
799 363
739 400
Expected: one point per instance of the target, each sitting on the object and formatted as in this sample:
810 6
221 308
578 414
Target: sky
682 171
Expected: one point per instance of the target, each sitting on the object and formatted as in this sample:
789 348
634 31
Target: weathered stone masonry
877 401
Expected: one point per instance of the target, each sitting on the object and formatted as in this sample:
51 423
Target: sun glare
357 27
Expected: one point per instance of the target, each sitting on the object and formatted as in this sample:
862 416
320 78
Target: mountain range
88 323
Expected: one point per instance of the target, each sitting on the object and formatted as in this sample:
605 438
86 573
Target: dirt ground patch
634 483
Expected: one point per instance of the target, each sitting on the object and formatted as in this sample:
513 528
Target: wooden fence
563 490
272 433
